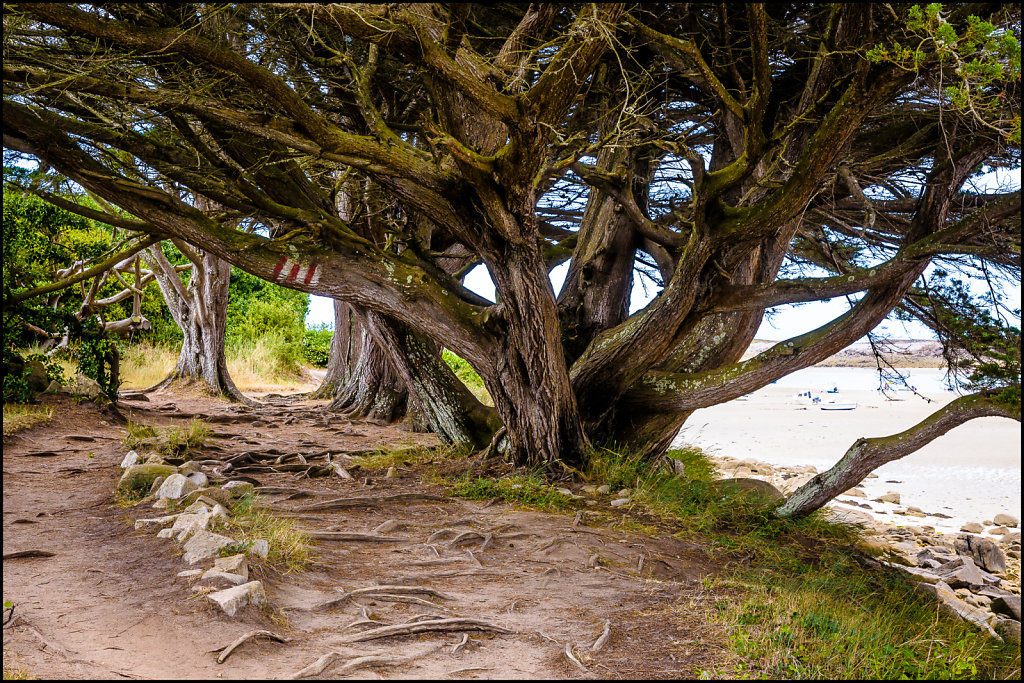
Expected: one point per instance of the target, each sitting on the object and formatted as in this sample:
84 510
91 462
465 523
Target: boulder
199 506
1008 630
986 553
165 533
958 608
847 516
890 497
234 564
176 486
922 575
754 490
237 488
997 531
156 459
961 572
140 477
154 523
972 527
188 525
856 493
36 377
1010 538
1008 605
87 386
200 479
213 493
619 502
234 599
1004 519
218 577
130 458
204 545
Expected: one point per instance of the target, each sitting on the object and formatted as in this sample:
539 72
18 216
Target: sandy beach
971 473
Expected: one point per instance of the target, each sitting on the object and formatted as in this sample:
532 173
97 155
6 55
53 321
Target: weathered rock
604 488
233 564
156 459
234 599
187 525
219 577
1006 520
890 497
1008 630
87 386
199 478
199 506
590 489
754 490
176 486
212 493
986 553
188 467
958 608
36 377
619 502
961 572
237 488
972 527
54 387
219 511
154 523
856 493
1008 605
165 533
919 574
190 573
260 548
847 516
997 531
204 545
130 458
1011 538
140 477
915 512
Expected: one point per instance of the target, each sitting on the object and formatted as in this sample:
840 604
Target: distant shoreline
903 353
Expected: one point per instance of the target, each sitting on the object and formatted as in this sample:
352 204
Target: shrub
316 345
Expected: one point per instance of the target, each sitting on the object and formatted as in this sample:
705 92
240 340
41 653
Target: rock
957 607
36 377
54 387
156 459
915 512
1008 605
624 493
188 467
907 550
986 553
176 486
130 458
1008 630
154 523
237 488
260 548
871 475
200 479
140 477
1006 520
754 490
213 493
960 572
198 507
619 502
187 525
932 555
890 497
233 564
165 533
919 574
847 516
604 488
1012 537
873 545
204 545
234 599
566 492
87 386
218 576
219 511
590 489
997 531
390 473
972 527
856 493
189 573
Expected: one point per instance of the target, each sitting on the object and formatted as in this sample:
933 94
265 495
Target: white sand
971 473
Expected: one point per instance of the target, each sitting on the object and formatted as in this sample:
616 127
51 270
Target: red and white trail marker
288 270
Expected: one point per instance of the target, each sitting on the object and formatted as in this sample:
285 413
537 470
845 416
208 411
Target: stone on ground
260 548
233 599
1008 605
176 486
961 572
214 493
890 497
199 478
130 458
223 578
187 525
154 523
204 544
972 527
986 553
1006 520
138 477
237 488
234 564
1008 630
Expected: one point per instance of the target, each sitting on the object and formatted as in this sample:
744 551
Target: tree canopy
739 156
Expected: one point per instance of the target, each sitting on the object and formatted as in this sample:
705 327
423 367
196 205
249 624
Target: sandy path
110 603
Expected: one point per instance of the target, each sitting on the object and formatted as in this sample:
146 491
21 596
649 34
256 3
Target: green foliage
526 489
979 65
260 311
291 548
465 372
173 442
316 345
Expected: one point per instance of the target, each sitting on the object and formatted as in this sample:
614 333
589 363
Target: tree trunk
346 345
200 310
866 455
372 389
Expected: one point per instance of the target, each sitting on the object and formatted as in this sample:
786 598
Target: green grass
530 490
465 372
794 597
19 416
409 456
176 442
291 549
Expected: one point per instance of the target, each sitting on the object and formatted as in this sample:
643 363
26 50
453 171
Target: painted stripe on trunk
279 266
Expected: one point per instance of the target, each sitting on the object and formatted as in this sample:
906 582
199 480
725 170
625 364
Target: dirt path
109 604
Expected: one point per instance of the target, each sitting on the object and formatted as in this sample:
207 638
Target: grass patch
13 671
19 416
465 372
410 456
290 547
171 441
530 490
795 599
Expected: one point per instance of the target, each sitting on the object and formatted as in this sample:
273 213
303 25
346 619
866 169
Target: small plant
529 489
18 416
171 441
290 548
413 455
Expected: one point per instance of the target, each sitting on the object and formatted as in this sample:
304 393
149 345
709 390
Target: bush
316 345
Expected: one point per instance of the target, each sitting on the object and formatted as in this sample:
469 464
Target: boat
836 402
805 398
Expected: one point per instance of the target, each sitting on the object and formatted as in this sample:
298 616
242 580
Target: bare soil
107 603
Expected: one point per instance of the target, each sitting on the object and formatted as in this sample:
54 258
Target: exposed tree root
387 526
22 554
354 537
487 541
345 503
471 556
455 624
465 536
226 652
374 591
408 599
602 640
320 665
461 644
572 658
441 533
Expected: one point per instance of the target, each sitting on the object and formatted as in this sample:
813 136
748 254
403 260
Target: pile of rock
204 505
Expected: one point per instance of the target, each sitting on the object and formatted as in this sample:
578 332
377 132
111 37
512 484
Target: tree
740 157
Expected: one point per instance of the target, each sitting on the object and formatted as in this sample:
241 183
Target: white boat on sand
837 402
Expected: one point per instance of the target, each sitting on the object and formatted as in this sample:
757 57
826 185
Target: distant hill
900 353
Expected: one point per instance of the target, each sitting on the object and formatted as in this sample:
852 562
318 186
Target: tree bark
867 454
346 345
